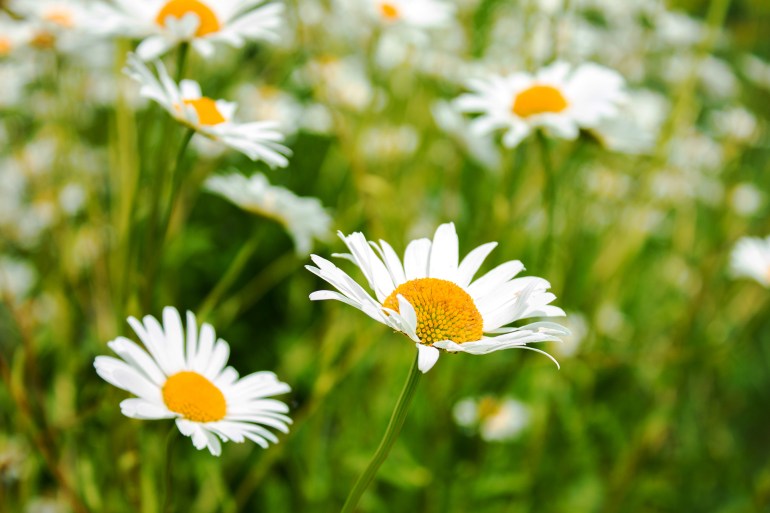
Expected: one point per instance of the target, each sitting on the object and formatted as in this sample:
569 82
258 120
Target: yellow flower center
43 40
488 408
539 99
5 46
389 11
194 397
206 108
60 16
209 23
444 310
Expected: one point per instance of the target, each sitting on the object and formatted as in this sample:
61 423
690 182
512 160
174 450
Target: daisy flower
163 24
751 259
435 301
57 24
13 35
496 419
212 118
304 218
184 376
558 98
414 13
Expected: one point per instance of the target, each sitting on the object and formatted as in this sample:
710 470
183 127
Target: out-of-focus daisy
184 376
415 13
304 218
432 298
13 35
751 259
558 98
496 419
212 118
746 199
54 23
163 24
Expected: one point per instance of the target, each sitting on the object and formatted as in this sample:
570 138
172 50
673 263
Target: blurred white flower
735 123
636 127
14 76
678 29
388 142
259 140
558 98
341 82
718 78
163 24
17 277
13 35
13 455
577 324
46 505
432 298
481 148
62 24
270 104
495 419
757 70
304 218
746 199
72 197
750 258
182 375
413 13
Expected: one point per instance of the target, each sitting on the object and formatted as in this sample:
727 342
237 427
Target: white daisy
60 24
183 376
414 13
558 98
13 35
304 218
751 259
496 419
212 118
163 24
434 300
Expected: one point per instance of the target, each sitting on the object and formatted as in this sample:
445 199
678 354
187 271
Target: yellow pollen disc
208 113
444 310
43 40
539 99
194 397
488 407
60 17
389 11
209 23
5 46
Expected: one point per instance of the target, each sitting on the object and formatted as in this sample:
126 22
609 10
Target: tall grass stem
391 434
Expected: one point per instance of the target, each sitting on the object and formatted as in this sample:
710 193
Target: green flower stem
168 504
158 227
176 182
549 191
181 61
227 280
391 434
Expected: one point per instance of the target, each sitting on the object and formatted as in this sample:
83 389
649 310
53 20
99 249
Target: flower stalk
391 434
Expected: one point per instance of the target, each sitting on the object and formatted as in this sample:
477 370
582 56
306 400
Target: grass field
632 214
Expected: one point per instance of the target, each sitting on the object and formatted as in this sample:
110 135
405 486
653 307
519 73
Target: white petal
153 47
142 409
471 263
427 356
416 259
444 253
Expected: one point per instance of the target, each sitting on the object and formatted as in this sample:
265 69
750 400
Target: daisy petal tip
427 356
